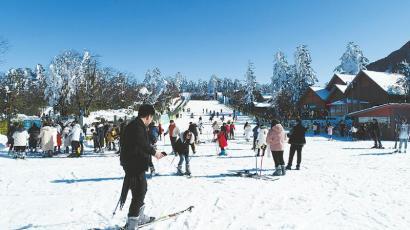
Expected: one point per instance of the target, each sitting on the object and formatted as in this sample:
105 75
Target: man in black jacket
135 155
296 140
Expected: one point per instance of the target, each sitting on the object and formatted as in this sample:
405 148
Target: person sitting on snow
184 141
20 137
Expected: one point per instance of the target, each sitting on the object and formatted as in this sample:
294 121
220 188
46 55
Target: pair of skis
153 221
248 174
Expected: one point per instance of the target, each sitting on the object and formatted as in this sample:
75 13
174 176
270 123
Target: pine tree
404 68
352 60
302 72
280 77
250 84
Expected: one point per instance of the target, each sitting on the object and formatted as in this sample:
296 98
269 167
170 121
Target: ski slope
341 185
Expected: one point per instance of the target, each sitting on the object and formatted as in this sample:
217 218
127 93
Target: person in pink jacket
276 140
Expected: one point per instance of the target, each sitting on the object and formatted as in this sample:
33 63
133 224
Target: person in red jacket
222 140
228 130
232 131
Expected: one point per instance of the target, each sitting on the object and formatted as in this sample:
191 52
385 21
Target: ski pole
260 172
256 164
113 213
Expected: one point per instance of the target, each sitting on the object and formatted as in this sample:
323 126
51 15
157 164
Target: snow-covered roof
262 104
267 96
323 93
387 81
348 101
346 77
341 87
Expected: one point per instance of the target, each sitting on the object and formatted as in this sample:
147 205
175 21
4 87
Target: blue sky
201 38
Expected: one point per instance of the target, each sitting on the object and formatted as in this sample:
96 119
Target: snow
323 93
342 88
387 81
341 185
346 78
348 101
262 104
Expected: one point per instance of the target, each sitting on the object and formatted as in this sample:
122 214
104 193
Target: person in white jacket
75 135
48 139
261 140
248 132
20 137
403 135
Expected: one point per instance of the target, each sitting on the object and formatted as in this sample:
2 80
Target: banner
3 127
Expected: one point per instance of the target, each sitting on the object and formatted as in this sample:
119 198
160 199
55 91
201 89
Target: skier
296 140
248 132
222 140
153 134
375 134
101 135
34 132
255 135
48 140
200 125
194 130
261 143
215 128
276 140
228 130
173 131
232 131
160 131
403 135
20 137
183 143
134 157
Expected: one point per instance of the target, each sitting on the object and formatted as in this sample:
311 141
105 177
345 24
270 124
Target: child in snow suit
183 143
276 138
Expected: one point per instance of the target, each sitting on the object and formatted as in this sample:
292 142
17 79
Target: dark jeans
20 148
278 158
173 141
138 186
293 149
377 141
254 142
182 157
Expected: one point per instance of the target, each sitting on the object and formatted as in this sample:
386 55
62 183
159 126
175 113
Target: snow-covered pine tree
280 77
213 85
60 83
404 68
352 60
250 84
303 73
155 83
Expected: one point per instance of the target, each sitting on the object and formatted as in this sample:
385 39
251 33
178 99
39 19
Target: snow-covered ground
341 185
